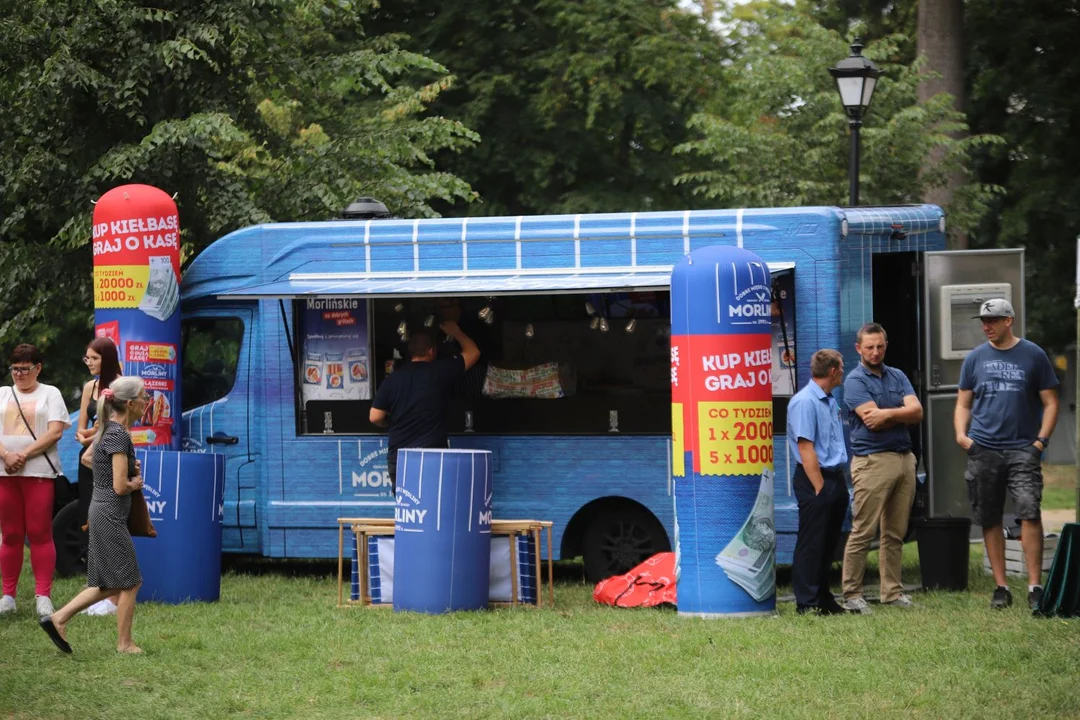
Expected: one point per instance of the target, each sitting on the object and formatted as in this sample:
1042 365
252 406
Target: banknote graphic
749 560
162 295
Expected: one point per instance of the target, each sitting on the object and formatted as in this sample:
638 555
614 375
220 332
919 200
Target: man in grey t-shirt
1006 410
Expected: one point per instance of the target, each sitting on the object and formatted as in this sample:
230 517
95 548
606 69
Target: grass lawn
1059 487
275 646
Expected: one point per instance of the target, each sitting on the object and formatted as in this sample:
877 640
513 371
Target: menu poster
784 380
334 354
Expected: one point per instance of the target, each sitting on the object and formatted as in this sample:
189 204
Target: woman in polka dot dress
111 563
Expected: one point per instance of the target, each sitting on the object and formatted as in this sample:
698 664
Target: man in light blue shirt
815 436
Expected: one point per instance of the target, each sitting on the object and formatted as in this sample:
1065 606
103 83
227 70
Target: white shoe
903 601
857 605
102 607
44 606
7 605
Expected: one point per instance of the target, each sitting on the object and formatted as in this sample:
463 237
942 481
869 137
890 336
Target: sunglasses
21 369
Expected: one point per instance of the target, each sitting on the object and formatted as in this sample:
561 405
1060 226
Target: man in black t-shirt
412 399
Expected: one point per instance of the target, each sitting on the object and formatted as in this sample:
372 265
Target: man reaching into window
412 400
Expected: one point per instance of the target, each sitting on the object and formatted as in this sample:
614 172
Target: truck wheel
70 541
620 538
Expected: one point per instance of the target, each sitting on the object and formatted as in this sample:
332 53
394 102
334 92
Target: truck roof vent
366 208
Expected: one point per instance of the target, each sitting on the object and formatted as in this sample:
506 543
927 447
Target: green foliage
249 110
781 139
872 18
1022 71
579 102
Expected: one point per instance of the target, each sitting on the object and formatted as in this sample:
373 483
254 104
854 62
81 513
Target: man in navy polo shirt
881 404
816 437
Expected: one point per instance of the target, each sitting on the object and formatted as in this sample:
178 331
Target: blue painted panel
547 242
392 249
491 244
440 245
605 241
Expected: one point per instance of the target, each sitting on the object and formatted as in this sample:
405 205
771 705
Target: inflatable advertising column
722 433
137 299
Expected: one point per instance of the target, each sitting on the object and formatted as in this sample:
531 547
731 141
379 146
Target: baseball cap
996 308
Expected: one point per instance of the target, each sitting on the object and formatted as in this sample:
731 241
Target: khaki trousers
883 489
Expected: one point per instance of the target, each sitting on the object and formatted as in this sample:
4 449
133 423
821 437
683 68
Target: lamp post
856 77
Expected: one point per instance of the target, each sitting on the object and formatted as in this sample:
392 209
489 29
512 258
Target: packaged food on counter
538 381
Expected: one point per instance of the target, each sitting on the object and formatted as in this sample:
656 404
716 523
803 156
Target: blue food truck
288 329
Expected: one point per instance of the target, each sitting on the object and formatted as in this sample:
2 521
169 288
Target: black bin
943 552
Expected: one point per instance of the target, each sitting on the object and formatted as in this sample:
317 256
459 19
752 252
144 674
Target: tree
580 103
781 139
941 43
250 110
1022 71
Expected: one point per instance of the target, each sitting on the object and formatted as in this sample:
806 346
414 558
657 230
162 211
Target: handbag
63 493
139 523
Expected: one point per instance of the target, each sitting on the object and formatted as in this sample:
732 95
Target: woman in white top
32 419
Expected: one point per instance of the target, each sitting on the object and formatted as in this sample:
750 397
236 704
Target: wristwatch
1044 440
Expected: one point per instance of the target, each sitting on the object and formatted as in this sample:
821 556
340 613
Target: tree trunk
941 40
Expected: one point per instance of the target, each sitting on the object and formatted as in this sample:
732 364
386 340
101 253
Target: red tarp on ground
650 583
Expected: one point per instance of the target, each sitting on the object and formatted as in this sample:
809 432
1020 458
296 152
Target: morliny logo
154 371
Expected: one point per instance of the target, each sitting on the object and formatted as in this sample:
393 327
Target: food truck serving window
551 364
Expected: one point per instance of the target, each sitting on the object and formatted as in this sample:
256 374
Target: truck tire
619 538
70 541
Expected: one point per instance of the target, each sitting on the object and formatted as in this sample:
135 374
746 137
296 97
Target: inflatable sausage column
722 433
137 299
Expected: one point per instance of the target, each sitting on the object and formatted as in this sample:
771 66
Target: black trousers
821 518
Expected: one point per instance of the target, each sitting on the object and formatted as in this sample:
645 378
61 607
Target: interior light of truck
603 325
594 323
529 330
429 321
399 307
403 329
589 309
631 326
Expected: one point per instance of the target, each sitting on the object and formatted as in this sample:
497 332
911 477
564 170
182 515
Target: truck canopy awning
479 282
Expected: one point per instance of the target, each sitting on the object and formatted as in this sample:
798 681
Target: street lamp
856 77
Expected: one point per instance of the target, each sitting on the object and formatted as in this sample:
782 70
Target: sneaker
903 601
102 607
1002 599
1035 597
7 605
857 605
44 606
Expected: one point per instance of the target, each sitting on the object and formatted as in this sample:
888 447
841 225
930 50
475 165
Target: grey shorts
991 472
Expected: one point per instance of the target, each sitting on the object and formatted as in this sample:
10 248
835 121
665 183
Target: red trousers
26 505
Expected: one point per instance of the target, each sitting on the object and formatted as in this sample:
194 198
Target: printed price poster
136 245
726 420
335 349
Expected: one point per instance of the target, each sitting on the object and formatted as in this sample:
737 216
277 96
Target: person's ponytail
116 397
